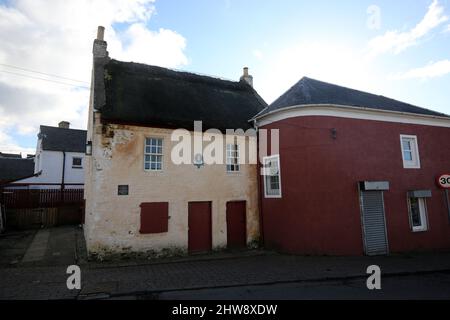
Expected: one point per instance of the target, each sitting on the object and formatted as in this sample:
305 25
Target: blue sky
398 49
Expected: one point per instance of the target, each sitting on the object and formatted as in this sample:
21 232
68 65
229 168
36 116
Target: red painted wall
319 210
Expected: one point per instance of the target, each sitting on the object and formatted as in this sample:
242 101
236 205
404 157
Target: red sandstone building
355 173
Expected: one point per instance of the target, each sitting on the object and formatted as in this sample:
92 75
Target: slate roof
309 91
14 169
60 139
10 155
157 97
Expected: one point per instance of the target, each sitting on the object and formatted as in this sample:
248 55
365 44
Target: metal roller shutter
374 224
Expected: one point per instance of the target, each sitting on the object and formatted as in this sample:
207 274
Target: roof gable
60 139
310 92
154 96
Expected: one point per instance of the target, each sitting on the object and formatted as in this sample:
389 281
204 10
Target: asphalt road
423 286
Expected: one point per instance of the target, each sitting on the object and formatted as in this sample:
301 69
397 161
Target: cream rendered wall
112 222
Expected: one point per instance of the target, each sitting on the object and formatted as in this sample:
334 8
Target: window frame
265 160
153 154
415 162
235 148
74 166
424 225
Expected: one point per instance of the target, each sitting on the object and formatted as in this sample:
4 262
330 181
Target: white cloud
56 37
432 70
10 146
397 41
163 47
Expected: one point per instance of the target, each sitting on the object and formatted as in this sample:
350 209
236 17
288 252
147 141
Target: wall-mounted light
334 133
198 161
89 148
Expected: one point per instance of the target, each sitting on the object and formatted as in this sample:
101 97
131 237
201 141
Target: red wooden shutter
154 217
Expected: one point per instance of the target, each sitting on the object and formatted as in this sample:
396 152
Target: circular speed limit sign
444 181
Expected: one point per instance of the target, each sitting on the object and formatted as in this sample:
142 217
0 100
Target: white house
59 160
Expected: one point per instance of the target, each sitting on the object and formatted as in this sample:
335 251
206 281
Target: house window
272 178
153 154
76 162
418 214
410 152
233 158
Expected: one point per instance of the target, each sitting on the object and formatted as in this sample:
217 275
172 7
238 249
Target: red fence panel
41 198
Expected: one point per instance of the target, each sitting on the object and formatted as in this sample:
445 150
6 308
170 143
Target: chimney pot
246 77
99 49
64 125
100 33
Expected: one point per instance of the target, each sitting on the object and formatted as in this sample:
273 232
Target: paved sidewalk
36 251
13 246
62 245
241 269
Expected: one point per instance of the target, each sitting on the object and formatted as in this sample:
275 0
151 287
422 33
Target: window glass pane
407 155
406 145
274 182
153 154
423 213
415 212
76 161
232 158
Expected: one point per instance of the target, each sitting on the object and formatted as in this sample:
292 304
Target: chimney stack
246 77
64 125
101 33
100 44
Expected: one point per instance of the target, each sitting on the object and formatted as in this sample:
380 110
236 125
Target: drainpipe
63 170
258 172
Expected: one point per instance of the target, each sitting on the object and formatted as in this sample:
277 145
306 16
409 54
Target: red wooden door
236 225
199 234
